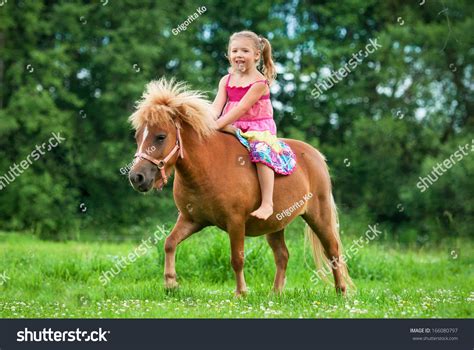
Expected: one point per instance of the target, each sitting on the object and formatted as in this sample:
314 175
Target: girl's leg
266 178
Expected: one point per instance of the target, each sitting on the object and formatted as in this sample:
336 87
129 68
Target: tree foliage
78 67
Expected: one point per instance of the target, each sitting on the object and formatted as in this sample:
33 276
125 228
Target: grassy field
61 280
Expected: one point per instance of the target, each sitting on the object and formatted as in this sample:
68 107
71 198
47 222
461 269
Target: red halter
160 164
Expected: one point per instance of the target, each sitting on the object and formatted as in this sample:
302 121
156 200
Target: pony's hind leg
182 230
237 239
321 218
276 240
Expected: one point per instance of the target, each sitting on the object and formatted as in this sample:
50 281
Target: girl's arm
221 98
250 98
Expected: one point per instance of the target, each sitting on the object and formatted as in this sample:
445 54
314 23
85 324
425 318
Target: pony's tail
323 267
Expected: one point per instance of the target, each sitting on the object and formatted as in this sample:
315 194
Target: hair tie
262 43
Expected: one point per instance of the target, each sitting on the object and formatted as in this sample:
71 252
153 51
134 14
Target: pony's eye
160 138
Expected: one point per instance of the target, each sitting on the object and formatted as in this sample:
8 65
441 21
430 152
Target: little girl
245 92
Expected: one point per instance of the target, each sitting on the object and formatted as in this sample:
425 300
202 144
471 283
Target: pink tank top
259 117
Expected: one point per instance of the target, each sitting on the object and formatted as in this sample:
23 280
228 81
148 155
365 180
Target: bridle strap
179 143
160 164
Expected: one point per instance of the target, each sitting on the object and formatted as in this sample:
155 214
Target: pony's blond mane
165 101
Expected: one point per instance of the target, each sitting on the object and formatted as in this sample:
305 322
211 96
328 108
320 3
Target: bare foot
263 212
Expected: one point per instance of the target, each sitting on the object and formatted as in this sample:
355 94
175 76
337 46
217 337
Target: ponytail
268 69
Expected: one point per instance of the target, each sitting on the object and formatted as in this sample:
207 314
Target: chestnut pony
216 184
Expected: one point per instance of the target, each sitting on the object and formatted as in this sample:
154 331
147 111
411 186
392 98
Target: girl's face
242 54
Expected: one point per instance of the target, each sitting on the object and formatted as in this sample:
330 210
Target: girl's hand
230 129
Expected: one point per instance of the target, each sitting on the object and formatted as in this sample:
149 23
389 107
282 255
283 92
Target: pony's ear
186 112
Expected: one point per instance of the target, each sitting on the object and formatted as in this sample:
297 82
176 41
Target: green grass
61 280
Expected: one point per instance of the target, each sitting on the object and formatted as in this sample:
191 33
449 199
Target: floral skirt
265 148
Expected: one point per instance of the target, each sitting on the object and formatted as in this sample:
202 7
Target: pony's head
160 114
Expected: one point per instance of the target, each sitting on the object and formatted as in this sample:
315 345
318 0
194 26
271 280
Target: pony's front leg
182 230
237 239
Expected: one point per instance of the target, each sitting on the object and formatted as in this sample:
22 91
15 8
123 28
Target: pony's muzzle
140 181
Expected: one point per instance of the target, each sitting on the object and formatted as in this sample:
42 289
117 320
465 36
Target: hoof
240 294
277 291
279 287
341 291
171 284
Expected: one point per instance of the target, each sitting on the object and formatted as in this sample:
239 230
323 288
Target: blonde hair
261 44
